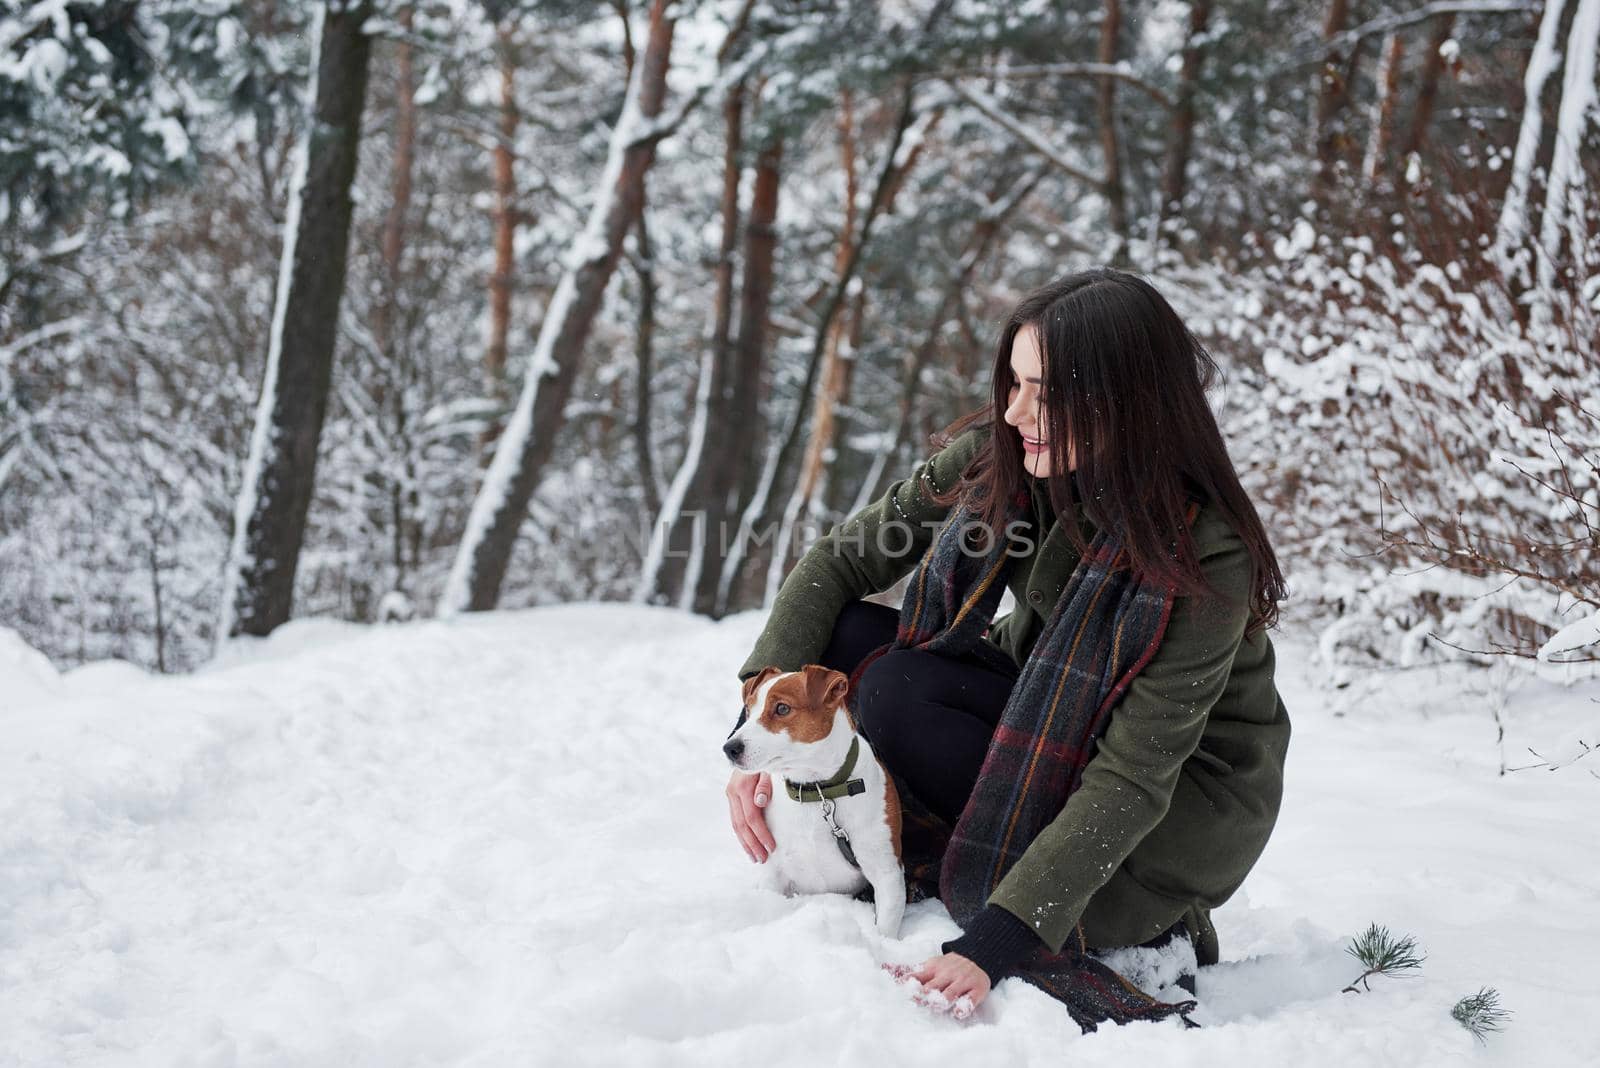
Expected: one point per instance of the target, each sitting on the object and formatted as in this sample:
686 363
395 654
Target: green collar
839 784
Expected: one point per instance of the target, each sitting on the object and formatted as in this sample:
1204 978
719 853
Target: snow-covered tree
269 525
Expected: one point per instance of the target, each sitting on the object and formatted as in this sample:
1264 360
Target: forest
373 310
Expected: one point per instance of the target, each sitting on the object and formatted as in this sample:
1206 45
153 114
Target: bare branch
991 108
1120 71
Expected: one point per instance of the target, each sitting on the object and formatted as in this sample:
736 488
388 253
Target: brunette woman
1098 434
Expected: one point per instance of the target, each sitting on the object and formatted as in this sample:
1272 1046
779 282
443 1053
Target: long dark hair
1125 382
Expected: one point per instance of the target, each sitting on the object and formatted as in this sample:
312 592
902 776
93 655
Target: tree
258 590
1110 147
739 473
1578 99
1543 62
1333 92
1175 175
529 439
1433 67
692 513
84 109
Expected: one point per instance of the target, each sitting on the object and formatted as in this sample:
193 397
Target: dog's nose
733 748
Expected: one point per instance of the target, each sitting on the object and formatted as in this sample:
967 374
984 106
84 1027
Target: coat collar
1044 508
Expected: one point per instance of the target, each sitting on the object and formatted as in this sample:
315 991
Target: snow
43 65
174 138
502 838
1572 637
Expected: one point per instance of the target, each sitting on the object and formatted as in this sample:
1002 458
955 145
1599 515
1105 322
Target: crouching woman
1135 667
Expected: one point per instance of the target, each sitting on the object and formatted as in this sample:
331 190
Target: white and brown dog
836 821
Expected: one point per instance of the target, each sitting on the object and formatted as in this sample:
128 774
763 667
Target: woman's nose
1018 414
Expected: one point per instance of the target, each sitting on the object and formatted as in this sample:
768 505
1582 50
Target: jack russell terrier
836 822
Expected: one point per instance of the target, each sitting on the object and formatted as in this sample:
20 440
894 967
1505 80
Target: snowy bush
1426 441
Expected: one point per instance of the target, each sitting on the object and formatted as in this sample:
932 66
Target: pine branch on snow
1382 954
1481 1013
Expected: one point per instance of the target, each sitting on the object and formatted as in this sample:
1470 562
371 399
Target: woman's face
1023 408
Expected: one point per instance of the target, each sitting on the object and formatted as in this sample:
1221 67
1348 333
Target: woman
1098 423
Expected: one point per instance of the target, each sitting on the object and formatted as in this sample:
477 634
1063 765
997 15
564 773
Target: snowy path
503 840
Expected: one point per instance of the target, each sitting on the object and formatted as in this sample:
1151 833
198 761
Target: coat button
1035 597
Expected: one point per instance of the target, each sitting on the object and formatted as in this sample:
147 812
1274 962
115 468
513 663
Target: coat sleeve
1128 784
866 553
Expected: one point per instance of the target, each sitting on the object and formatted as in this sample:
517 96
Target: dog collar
839 784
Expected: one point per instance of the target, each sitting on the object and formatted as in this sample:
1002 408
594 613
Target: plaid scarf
1105 628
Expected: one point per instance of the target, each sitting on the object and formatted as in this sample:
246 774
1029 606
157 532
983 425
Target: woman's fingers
757 819
748 821
739 830
932 974
755 828
941 986
753 846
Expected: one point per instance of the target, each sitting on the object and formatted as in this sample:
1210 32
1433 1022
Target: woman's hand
954 976
747 796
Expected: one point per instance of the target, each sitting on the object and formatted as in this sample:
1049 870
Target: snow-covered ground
503 840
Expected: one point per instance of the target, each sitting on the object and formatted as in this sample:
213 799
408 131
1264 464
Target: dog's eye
781 710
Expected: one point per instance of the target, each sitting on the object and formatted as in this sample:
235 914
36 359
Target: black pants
929 717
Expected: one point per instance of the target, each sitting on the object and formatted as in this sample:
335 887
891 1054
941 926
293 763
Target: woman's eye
781 710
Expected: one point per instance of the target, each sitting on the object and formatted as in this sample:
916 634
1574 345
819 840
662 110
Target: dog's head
788 716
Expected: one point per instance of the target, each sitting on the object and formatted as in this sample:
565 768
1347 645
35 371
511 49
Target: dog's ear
754 682
825 687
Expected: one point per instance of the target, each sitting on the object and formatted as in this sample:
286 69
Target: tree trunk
1331 92
530 438
258 588
739 478
830 493
1543 61
394 222
1175 175
1111 181
1428 88
1382 135
687 529
505 229
645 352
834 361
1578 100
790 438
403 499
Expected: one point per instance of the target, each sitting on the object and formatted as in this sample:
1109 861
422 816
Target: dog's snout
734 748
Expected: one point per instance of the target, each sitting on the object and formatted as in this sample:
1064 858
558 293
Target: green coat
1177 803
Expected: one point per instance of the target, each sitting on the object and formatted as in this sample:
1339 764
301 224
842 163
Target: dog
835 817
